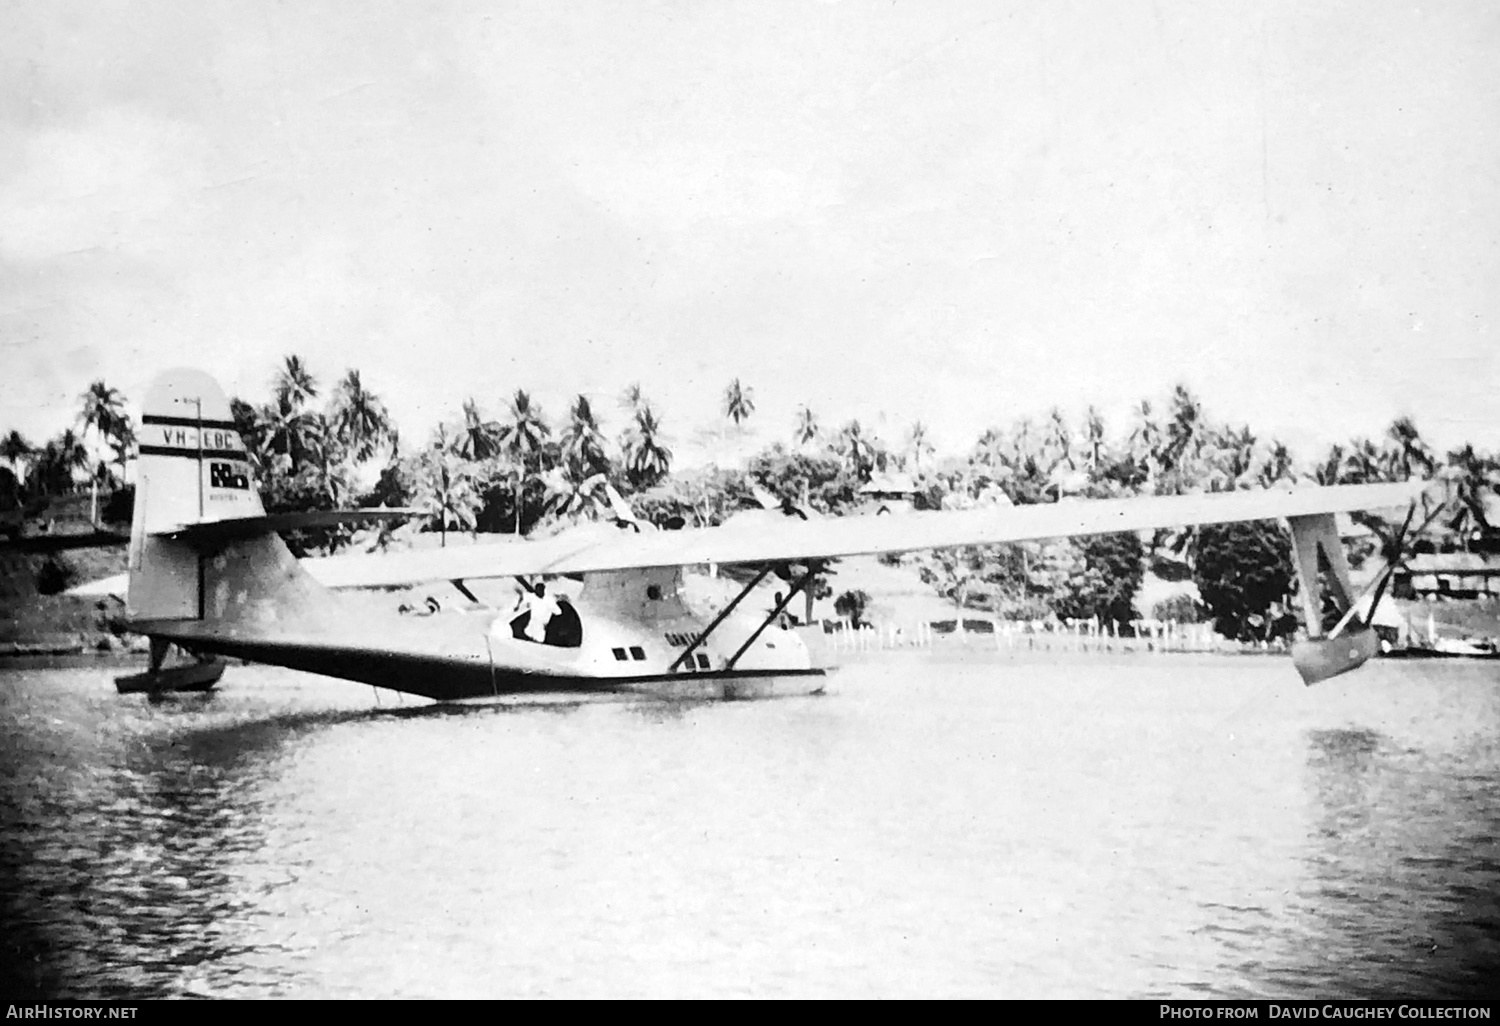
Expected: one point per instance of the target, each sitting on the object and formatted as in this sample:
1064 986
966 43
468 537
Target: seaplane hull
209 573
625 631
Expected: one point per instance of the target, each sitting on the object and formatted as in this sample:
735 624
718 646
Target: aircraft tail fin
201 546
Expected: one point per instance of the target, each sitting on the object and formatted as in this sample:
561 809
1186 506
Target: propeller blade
764 497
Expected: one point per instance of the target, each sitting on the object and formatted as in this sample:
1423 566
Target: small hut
889 493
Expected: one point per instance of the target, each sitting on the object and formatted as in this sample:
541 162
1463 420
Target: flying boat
209 574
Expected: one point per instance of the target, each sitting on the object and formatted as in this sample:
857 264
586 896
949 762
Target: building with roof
1448 575
890 493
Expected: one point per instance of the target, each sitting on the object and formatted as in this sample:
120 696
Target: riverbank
37 618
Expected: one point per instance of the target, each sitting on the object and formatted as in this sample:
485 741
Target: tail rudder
194 469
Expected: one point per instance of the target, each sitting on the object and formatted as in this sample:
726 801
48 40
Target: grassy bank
36 617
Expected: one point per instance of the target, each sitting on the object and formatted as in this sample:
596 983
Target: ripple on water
1021 827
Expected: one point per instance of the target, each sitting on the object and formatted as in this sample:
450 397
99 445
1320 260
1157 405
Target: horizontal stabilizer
212 532
116 585
44 543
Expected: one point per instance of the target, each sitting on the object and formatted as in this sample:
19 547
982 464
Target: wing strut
801 583
723 615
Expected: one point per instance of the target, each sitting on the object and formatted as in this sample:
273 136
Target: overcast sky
958 212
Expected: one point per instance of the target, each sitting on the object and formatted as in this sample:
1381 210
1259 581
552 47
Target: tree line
507 466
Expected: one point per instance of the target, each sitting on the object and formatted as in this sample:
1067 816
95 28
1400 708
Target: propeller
768 500
1377 587
620 508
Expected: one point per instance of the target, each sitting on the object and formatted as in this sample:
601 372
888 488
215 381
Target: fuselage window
653 592
702 660
637 652
619 654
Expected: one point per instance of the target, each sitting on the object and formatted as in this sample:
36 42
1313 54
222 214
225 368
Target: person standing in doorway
543 608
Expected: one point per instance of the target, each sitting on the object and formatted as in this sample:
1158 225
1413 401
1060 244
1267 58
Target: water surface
1128 826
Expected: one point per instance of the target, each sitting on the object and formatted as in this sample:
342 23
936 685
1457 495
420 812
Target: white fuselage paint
636 624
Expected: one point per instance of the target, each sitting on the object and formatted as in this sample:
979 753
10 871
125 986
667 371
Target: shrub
54 576
1103 581
120 506
1244 573
852 604
1182 608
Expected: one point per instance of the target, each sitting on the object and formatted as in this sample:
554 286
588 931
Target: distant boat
1447 648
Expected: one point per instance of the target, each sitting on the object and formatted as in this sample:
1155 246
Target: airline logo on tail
229 475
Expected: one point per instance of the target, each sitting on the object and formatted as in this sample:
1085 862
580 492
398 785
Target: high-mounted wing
211 532
770 538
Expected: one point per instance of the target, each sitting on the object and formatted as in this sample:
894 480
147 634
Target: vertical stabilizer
192 467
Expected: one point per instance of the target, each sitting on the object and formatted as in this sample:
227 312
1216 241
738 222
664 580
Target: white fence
1045 635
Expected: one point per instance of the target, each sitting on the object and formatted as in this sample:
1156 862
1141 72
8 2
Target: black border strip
218 454
221 425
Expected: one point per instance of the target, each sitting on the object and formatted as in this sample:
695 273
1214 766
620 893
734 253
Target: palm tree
807 427
523 439
1028 464
1279 466
917 443
446 489
739 402
583 443
1469 476
1407 454
478 439
122 442
857 449
251 422
1184 431
1145 439
75 456
360 421
103 410
574 498
1331 470
992 449
293 384
291 430
1364 463
328 456
647 460
1093 439
18 452
59 461
1234 457
1058 443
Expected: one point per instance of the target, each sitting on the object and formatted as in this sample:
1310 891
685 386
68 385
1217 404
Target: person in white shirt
543 608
